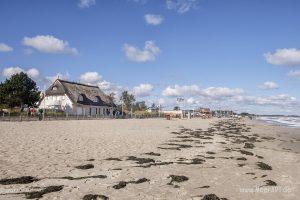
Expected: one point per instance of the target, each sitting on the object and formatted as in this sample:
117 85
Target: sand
148 159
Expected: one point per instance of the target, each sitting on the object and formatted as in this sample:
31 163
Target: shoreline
155 159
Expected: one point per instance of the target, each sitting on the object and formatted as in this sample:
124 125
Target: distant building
173 113
77 99
223 113
203 113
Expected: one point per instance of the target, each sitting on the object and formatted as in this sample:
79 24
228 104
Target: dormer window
54 88
96 99
80 97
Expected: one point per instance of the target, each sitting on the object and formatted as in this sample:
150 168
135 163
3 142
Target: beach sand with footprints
149 159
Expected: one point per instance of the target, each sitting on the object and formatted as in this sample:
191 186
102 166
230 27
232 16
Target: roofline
76 83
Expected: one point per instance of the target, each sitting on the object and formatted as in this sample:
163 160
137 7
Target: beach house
77 99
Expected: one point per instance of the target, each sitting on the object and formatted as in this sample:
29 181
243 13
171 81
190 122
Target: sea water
282 120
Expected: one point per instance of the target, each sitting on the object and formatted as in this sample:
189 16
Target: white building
77 99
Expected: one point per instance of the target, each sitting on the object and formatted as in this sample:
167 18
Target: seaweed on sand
241 158
205 186
141 160
179 145
249 146
87 166
197 161
210 152
120 185
39 194
177 179
94 197
170 148
270 183
211 197
246 152
264 166
209 157
83 177
117 169
116 159
123 184
19 180
153 154
155 164
141 180
194 161
183 136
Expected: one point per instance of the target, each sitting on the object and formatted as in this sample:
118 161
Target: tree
127 100
176 108
140 106
111 97
153 106
18 91
2 96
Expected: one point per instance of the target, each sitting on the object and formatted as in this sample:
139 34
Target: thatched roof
92 95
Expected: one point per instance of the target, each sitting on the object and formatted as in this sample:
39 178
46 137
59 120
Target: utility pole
44 102
159 110
122 107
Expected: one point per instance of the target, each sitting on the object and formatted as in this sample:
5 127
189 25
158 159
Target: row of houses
80 99
77 99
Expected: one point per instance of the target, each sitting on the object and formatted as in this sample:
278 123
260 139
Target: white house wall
63 102
92 110
57 101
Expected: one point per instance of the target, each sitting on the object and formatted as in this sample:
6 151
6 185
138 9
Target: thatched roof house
77 98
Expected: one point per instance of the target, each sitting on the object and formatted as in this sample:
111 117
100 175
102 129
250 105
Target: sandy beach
149 159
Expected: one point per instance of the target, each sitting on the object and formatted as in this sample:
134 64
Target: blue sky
239 54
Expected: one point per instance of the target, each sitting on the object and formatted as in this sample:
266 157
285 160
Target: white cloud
181 6
10 71
86 3
279 100
185 90
90 78
49 44
143 90
5 48
161 101
295 73
195 90
153 19
192 101
149 53
222 92
94 78
230 98
269 85
109 87
289 57
33 73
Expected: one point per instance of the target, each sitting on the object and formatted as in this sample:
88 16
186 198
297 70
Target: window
80 97
54 88
96 99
